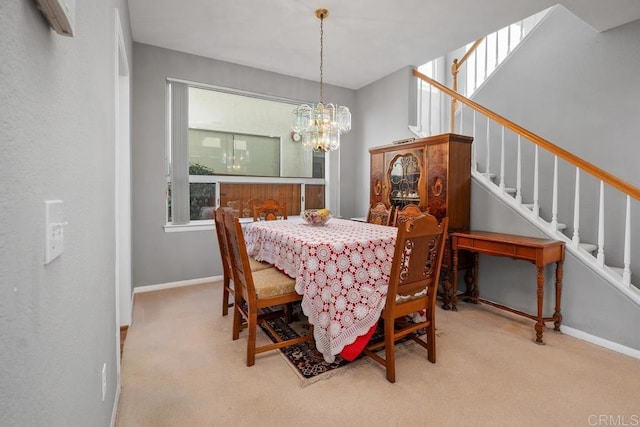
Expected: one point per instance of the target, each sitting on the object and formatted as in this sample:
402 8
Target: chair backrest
407 213
380 214
218 218
239 258
269 210
417 259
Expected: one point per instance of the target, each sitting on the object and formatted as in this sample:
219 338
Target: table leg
557 315
454 295
540 323
476 262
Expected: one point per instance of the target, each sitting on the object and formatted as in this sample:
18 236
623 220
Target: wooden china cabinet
433 173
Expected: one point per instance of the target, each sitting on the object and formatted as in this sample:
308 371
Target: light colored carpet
181 368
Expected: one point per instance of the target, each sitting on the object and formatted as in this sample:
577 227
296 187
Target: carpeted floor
180 367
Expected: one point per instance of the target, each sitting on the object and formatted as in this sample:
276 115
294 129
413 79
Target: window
234 150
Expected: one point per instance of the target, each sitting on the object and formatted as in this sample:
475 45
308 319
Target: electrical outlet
104 380
54 230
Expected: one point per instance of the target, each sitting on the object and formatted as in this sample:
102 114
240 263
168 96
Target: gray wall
57 321
161 257
384 108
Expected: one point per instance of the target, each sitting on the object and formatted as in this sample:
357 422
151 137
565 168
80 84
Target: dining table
341 269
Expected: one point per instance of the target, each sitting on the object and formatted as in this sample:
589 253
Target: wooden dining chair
413 285
269 210
407 213
254 291
380 214
227 289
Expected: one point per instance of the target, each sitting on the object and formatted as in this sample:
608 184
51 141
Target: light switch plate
54 230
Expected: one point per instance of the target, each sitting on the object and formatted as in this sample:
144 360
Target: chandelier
320 125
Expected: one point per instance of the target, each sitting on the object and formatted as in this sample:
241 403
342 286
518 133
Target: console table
537 251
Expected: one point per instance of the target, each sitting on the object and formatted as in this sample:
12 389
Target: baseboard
179 284
619 348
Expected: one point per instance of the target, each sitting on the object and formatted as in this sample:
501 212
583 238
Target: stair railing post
519 175
502 160
474 160
454 75
554 205
576 212
626 273
600 257
536 205
487 174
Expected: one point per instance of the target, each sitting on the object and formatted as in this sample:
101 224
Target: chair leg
431 342
225 295
237 320
389 350
251 338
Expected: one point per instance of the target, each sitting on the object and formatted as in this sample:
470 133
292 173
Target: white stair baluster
474 162
626 273
600 257
486 56
461 117
475 71
519 175
576 212
487 174
497 51
554 206
502 160
429 118
536 205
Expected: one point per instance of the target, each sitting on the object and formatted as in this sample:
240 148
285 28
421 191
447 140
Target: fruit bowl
316 216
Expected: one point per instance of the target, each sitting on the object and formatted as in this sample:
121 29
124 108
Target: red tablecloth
341 269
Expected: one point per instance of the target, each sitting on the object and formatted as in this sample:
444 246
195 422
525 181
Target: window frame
199 225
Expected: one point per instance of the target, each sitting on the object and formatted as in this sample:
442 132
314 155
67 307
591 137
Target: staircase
564 196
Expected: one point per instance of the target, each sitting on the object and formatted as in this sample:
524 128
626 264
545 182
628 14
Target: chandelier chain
321 53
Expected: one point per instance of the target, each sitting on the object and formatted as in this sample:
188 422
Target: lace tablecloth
341 269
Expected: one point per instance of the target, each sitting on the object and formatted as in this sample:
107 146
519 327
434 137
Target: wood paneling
314 196
244 196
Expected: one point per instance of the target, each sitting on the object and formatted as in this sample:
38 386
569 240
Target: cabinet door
437 185
405 178
377 179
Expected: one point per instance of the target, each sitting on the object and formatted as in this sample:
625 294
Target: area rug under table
307 362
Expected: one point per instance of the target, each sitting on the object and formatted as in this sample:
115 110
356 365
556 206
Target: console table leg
454 295
557 315
475 293
540 323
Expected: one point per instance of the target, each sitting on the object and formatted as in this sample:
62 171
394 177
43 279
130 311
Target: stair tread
589 247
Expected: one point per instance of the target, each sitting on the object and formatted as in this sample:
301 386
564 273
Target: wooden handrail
469 52
602 175
455 68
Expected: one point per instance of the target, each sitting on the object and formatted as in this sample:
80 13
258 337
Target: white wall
57 127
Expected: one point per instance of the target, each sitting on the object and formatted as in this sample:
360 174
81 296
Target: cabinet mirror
404 175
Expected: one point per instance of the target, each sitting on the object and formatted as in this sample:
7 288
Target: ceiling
364 40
